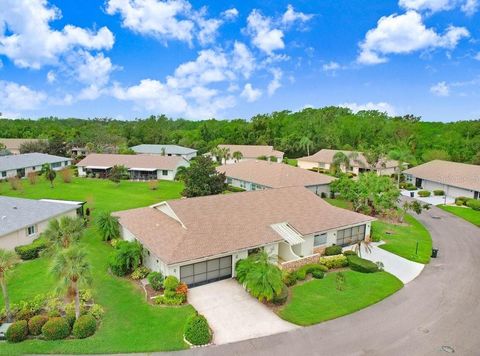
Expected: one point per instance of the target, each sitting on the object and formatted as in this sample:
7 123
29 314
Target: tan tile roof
225 223
14 143
273 175
253 151
460 175
326 156
131 161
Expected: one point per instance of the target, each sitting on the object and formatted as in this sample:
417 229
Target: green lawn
292 161
130 324
466 213
319 299
402 239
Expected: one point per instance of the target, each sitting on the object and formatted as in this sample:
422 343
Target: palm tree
305 143
64 232
181 172
366 245
72 269
50 174
237 156
108 225
216 152
403 156
225 153
8 259
340 159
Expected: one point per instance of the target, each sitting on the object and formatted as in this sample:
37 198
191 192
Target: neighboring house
140 167
13 144
200 240
78 152
323 159
258 175
22 164
166 150
456 179
23 220
251 152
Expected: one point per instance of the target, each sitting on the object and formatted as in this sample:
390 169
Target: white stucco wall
319 189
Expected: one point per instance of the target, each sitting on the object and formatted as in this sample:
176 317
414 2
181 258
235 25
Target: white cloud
230 14
402 34
477 56
331 67
91 69
30 42
167 20
243 60
470 7
291 16
381 106
264 36
440 89
251 94
15 97
275 82
51 76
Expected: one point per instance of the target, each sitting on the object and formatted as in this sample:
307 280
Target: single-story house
323 159
13 144
455 179
78 152
252 152
258 175
23 220
199 240
22 164
166 150
140 167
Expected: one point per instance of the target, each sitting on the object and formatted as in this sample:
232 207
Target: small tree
305 143
202 178
108 225
117 173
72 269
64 232
8 259
67 175
414 206
340 160
49 173
126 257
237 156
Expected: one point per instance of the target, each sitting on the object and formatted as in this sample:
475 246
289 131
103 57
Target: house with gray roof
22 164
166 150
23 220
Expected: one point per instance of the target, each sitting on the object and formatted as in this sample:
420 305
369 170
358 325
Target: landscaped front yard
465 213
320 300
130 324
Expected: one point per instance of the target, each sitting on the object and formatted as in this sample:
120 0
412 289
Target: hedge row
361 265
31 251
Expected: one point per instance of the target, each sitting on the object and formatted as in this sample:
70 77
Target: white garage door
205 272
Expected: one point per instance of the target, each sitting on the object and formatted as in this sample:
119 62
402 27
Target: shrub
36 323
474 204
349 253
438 192
182 290
15 183
333 250
424 193
96 311
17 332
361 265
281 298
70 317
337 261
140 273
171 283
317 274
32 177
56 329
24 314
153 184
156 280
85 295
410 186
197 331
233 189
126 257
176 300
31 251
66 174
289 278
84 326
461 201
303 271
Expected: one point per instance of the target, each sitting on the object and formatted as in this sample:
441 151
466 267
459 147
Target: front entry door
418 182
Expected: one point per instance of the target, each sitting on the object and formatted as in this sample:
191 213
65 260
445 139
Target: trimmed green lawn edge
464 213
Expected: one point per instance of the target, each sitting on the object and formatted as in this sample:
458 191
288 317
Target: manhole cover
448 349
436 217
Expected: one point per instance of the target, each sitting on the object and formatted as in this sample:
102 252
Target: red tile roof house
253 152
258 175
199 240
323 159
140 167
455 179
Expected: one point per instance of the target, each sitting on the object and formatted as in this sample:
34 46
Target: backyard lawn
465 213
130 324
319 299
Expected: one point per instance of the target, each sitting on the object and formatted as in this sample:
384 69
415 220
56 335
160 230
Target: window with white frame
164 172
4 174
319 239
31 230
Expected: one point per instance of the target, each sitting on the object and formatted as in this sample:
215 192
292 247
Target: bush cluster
197 331
156 280
233 189
333 250
281 298
126 257
36 323
361 265
305 270
32 250
408 186
424 193
438 192
56 329
17 332
461 201
84 326
289 278
474 204
317 274
337 261
140 273
175 293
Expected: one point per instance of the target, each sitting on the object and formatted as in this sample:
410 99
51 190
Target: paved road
439 308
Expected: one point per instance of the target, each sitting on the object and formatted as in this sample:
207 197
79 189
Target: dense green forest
292 132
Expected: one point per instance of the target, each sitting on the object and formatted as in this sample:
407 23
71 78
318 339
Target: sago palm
8 259
108 226
73 270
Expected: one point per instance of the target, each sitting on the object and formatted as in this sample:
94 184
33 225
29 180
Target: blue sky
229 59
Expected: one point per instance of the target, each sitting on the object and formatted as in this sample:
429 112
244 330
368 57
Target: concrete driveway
433 200
400 267
233 314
